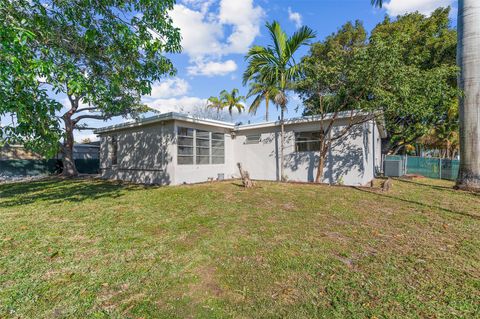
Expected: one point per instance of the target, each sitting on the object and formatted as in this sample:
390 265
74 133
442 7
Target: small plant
340 181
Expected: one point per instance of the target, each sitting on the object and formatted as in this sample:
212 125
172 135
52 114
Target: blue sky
217 34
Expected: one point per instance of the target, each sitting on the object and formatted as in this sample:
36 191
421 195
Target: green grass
92 249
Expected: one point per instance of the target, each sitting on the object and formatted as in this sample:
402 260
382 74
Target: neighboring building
172 149
84 151
17 152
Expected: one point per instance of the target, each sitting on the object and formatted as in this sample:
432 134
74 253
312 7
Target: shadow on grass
447 210
436 187
55 190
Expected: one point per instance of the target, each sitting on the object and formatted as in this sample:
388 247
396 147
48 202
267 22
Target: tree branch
88 116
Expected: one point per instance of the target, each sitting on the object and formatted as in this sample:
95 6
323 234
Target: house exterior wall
144 154
201 173
148 154
349 161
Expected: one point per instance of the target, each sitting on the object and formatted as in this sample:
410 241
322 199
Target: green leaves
275 65
230 100
406 68
104 54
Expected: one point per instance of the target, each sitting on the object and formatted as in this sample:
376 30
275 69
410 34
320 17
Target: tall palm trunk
282 143
267 100
469 81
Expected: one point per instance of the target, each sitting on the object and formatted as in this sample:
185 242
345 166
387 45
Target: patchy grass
91 249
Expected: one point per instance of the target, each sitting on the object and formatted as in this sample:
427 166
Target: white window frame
195 156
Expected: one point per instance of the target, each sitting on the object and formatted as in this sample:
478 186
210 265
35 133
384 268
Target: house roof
240 127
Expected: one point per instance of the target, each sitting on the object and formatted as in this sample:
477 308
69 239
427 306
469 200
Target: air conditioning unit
394 168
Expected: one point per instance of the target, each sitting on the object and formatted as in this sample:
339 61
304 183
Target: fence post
440 167
406 164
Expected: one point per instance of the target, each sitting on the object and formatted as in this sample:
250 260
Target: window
203 147
252 139
218 148
185 146
114 150
307 141
200 147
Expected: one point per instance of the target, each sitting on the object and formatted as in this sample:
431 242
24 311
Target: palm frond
377 3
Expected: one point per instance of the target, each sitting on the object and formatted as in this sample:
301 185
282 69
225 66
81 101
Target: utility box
394 168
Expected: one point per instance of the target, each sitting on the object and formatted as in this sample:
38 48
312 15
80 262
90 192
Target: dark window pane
185 160
185 150
218 160
184 131
185 141
218 143
203 159
218 151
218 136
203 134
203 151
203 143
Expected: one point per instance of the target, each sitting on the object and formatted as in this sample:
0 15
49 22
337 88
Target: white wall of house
144 154
148 153
350 160
197 173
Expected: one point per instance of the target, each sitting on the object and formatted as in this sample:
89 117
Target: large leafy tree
468 55
337 83
275 65
103 56
422 87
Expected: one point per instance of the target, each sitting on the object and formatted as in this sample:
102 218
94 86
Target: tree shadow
343 157
447 210
55 191
142 155
436 187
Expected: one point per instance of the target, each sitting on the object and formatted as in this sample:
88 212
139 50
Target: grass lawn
92 249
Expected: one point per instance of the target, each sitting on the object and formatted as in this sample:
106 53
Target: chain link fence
431 167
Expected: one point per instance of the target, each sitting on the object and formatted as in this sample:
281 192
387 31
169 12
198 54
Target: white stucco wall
148 154
201 173
145 154
350 160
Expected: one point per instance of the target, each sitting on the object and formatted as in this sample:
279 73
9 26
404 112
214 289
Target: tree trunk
321 166
69 168
282 144
266 108
469 81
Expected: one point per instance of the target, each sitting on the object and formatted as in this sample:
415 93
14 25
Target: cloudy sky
217 34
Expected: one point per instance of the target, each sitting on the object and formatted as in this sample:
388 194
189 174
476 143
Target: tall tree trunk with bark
267 100
282 143
69 167
321 161
469 81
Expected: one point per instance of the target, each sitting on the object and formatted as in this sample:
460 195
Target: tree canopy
406 68
102 55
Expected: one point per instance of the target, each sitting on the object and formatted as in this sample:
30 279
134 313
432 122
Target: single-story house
173 149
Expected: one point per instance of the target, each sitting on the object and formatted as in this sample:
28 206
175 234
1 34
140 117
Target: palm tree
263 92
275 64
232 100
214 102
468 55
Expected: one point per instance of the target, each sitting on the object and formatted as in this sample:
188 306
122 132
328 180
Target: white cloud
209 33
212 68
169 88
184 104
199 36
295 17
245 19
398 7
